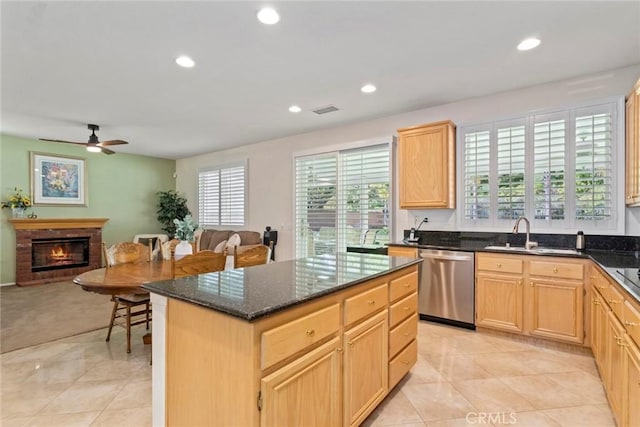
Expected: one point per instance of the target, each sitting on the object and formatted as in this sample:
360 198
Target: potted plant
171 205
18 202
185 232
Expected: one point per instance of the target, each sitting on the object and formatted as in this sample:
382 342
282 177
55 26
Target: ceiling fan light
94 149
268 16
185 61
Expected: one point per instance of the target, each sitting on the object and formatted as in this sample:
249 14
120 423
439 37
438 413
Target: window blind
511 179
477 167
557 168
341 199
221 196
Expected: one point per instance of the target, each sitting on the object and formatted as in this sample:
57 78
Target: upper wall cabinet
426 160
632 125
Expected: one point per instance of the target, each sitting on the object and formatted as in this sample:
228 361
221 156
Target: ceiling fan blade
66 142
107 151
112 142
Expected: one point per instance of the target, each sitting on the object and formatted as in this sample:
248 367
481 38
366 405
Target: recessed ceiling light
295 109
185 61
527 44
368 88
268 16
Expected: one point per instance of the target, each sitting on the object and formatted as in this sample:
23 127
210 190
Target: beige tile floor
462 378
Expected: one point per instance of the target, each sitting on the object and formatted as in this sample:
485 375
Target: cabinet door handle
555 269
406 308
350 343
371 302
406 334
596 302
310 332
498 265
406 285
519 283
406 363
611 301
626 322
339 349
532 284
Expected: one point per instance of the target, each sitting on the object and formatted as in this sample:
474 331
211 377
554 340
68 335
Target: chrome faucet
528 244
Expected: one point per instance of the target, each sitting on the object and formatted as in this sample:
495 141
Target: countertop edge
256 315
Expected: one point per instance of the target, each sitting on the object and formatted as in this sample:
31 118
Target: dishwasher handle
447 257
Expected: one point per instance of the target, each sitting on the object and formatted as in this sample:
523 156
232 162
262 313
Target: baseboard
7 284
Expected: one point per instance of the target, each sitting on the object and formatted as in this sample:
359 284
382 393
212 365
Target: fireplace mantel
56 223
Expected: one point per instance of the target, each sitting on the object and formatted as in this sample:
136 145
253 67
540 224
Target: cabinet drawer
632 321
402 334
403 309
362 305
403 285
565 270
615 299
285 340
599 281
500 264
402 251
400 365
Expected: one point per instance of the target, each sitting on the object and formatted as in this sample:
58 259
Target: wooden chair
122 313
198 263
249 256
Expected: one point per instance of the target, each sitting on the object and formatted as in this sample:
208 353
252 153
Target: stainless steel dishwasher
446 292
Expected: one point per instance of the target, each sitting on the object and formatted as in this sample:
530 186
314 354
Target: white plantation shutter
221 196
555 168
549 166
593 167
316 179
511 177
342 199
477 168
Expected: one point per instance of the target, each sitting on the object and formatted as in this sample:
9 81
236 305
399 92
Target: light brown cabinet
402 251
615 319
324 362
526 295
426 166
632 150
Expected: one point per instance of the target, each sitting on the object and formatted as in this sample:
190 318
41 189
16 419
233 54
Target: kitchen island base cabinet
325 362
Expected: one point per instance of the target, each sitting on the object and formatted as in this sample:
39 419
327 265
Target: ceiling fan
93 144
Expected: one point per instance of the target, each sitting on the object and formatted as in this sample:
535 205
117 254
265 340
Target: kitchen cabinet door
426 160
599 318
631 391
366 361
615 363
499 302
632 150
557 310
306 392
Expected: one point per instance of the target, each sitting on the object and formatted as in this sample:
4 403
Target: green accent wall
121 187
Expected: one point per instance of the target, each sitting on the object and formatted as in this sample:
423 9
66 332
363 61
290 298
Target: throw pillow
220 247
111 255
234 240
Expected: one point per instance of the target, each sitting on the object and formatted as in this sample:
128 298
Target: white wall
270 178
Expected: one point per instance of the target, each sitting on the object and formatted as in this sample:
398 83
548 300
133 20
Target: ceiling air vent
325 110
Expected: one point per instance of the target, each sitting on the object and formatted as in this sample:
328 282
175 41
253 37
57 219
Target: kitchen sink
550 251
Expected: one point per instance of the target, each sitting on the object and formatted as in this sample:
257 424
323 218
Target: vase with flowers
18 202
185 232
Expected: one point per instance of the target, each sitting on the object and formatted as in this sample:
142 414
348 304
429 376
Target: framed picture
58 180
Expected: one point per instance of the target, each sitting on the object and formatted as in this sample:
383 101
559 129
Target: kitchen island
311 341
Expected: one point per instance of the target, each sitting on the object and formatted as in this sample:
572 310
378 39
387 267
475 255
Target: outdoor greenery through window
555 168
221 196
342 199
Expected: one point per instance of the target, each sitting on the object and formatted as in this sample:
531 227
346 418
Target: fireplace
55 253
52 250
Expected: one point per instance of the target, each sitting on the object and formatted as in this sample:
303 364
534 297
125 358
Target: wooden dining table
124 278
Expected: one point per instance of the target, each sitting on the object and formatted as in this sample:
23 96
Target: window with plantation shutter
342 199
221 196
477 203
555 168
511 159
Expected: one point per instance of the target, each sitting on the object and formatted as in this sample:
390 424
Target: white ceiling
66 64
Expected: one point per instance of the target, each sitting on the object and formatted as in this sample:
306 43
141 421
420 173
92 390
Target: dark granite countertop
254 292
613 261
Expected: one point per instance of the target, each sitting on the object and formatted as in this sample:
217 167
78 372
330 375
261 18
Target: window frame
219 168
616 223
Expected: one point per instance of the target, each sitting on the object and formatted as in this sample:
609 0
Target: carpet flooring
32 315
